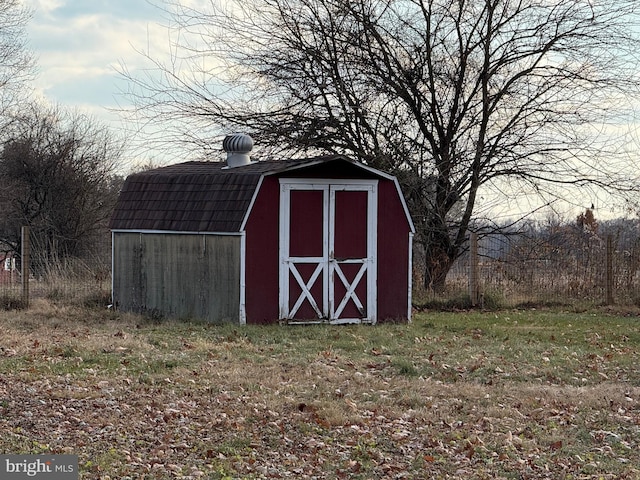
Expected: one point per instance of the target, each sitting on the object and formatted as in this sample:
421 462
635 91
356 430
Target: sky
79 45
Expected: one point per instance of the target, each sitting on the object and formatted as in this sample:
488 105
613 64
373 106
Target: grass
501 394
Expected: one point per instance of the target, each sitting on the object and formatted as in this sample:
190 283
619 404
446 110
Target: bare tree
57 175
16 61
458 98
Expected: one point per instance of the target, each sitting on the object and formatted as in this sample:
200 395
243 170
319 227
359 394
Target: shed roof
202 196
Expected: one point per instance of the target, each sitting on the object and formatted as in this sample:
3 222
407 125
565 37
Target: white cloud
79 44
44 7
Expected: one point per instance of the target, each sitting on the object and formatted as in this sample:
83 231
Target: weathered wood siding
177 275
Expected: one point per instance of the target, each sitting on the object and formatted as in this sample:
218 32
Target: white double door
328 232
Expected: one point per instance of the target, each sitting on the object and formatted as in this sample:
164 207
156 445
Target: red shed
323 239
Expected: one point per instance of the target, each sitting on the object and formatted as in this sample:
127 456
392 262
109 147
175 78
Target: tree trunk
438 262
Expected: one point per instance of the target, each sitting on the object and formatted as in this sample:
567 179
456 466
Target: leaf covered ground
517 394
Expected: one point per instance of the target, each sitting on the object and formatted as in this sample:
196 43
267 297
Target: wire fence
84 280
506 270
564 268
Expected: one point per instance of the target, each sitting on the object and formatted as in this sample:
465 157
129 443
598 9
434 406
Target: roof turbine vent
237 146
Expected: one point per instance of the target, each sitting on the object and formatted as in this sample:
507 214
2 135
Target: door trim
330 270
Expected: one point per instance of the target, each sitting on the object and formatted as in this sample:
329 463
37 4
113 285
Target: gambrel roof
209 196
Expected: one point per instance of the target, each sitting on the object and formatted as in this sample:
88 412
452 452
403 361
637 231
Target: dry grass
514 394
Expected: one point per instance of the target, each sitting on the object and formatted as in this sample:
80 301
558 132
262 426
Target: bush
11 302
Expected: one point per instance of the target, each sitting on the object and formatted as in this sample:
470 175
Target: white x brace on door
328 233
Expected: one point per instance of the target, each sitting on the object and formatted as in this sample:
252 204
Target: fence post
474 287
25 266
609 271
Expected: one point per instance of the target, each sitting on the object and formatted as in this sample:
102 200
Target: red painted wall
262 252
393 255
261 265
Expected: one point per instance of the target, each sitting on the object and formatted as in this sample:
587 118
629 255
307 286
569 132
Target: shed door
327 251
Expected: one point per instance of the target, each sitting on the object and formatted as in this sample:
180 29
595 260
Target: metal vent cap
237 143
237 146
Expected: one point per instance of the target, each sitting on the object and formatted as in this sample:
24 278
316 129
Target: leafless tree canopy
456 97
16 61
56 168
57 178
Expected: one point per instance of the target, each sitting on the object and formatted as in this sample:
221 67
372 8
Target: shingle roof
196 196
